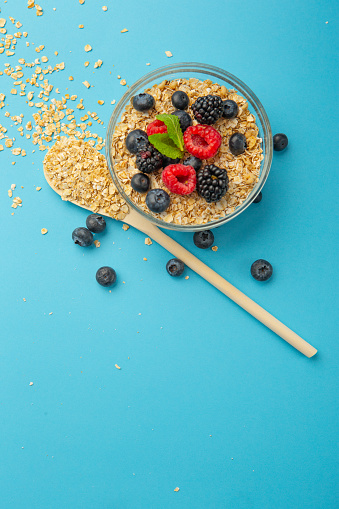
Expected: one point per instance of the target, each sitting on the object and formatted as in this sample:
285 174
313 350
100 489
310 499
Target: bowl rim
242 88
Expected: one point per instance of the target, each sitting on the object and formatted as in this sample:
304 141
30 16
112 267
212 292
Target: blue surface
207 399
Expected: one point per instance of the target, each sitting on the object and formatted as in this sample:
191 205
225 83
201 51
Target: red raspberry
202 141
179 179
156 127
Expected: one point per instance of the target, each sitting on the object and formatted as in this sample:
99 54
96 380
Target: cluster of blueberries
106 276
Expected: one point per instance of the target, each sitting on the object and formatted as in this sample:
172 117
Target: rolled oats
243 171
80 174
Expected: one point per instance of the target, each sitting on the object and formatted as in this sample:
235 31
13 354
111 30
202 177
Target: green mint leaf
165 145
173 129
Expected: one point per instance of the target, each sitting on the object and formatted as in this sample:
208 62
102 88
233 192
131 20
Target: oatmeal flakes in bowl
219 146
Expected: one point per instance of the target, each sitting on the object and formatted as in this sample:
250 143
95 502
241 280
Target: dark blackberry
208 109
212 182
149 159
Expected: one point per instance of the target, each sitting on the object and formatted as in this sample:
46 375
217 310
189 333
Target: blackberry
212 182
149 159
208 109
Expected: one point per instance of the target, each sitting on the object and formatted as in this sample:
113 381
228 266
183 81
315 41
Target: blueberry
143 102
280 141
180 100
106 276
95 223
82 236
261 270
195 162
237 144
135 140
184 119
175 267
168 161
230 109
140 182
157 200
258 198
203 239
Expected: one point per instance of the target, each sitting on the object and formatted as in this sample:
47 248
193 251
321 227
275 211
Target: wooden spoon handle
225 287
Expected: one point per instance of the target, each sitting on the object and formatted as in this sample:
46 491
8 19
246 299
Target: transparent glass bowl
201 72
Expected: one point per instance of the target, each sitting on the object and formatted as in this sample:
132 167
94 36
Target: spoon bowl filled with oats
199 141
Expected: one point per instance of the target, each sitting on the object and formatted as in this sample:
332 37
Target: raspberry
202 141
156 127
179 179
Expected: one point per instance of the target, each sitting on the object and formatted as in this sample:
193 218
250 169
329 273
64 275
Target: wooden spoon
136 220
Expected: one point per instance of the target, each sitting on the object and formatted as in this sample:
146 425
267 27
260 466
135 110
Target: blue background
207 399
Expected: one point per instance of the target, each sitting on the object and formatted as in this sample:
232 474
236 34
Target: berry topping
135 140
230 109
168 161
106 276
212 182
194 162
207 109
237 144
280 141
157 200
180 100
149 159
203 239
95 223
184 119
143 102
179 179
82 236
140 183
258 198
156 127
175 267
202 141
261 270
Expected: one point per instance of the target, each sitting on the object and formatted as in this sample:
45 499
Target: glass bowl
201 72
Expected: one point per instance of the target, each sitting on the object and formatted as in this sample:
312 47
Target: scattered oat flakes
118 367
214 248
86 64
70 78
176 489
81 2
148 241
97 243
81 26
50 313
2 22
168 54
10 193
125 227
13 186
145 259
24 299
38 188
14 91
44 231
87 85
123 82
98 64
104 8
88 48
148 63
113 102
187 277
124 30
31 383
101 102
